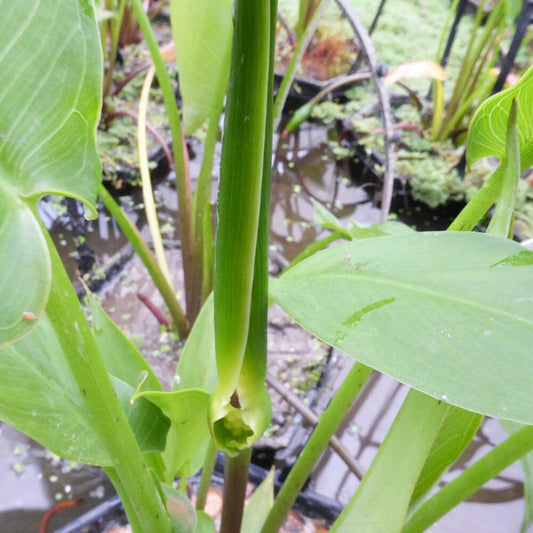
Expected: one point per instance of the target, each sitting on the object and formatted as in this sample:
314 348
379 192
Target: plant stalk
303 42
235 481
146 182
128 508
183 184
471 480
328 423
134 237
240 199
110 422
114 25
207 473
202 217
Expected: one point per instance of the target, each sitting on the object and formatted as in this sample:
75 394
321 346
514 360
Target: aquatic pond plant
448 313
431 131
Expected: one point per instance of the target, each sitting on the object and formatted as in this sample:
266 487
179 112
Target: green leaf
456 432
527 467
188 440
39 397
197 365
299 116
122 359
51 103
389 227
24 263
488 129
49 109
470 480
501 127
149 425
381 501
501 223
189 434
325 218
450 314
258 505
205 523
202 32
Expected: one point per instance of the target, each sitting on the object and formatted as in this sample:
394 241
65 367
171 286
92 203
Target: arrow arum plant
450 314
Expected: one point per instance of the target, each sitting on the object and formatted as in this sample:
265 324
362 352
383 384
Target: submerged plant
447 313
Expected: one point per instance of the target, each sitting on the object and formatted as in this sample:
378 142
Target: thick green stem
183 184
327 425
132 233
239 205
235 480
471 480
110 422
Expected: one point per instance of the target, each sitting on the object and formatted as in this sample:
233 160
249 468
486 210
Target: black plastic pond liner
111 513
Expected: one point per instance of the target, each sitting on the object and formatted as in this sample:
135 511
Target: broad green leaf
197 365
25 265
50 104
187 443
450 314
202 32
49 107
488 129
149 425
258 506
122 359
527 468
381 501
39 397
456 432
189 434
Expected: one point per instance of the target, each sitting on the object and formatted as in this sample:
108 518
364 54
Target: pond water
32 480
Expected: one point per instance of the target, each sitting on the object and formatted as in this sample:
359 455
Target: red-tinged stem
135 72
61 505
161 318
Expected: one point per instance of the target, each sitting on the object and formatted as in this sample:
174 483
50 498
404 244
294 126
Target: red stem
153 309
61 505
130 76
